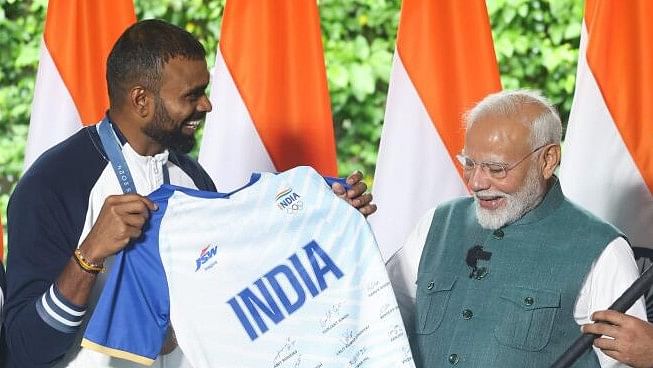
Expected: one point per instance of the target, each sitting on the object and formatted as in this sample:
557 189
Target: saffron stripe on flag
451 65
71 88
607 160
441 68
621 39
273 54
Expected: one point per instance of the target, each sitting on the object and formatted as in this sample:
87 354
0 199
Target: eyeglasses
496 170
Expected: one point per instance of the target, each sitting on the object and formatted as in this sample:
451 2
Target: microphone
474 254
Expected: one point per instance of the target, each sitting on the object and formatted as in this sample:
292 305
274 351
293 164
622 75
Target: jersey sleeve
131 318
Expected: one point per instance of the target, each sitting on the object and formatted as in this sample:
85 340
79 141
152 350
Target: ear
551 157
141 101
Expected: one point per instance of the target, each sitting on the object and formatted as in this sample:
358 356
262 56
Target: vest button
529 301
467 314
453 359
498 234
430 285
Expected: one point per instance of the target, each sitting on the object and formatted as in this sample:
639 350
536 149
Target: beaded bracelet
86 265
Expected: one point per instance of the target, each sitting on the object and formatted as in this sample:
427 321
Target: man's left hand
356 195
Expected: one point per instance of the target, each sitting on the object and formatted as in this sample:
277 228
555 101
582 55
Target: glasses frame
496 170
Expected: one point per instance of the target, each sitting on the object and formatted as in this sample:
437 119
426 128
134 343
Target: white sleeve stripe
57 317
63 306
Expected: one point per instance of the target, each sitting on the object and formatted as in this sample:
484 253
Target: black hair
141 52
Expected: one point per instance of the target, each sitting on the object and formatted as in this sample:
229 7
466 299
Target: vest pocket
433 294
527 317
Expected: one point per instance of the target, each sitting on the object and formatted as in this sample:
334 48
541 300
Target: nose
204 104
477 179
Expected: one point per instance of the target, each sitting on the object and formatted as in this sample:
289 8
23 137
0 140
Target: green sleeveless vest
514 309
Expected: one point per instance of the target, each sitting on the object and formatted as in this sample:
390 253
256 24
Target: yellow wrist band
86 265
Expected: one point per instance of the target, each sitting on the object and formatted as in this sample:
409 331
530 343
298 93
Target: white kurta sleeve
402 269
610 275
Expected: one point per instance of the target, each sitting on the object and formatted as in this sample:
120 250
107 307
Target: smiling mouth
191 125
490 202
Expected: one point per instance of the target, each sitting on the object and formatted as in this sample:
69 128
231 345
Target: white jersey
281 273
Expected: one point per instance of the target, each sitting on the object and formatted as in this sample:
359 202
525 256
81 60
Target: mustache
198 115
487 193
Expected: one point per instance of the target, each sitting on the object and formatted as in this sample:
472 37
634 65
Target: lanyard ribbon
113 149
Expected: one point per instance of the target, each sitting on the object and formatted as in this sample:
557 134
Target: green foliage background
536 42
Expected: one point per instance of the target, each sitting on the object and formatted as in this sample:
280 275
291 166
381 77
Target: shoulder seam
95 145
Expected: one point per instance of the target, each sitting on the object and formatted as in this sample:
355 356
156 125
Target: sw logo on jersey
289 201
205 255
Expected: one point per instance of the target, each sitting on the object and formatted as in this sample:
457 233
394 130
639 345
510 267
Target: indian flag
271 107
71 89
444 63
607 164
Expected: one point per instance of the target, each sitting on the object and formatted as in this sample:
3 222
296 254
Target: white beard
517 204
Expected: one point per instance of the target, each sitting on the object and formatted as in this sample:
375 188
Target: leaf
550 59
556 33
28 55
573 30
381 62
338 76
505 47
361 47
509 14
523 10
362 80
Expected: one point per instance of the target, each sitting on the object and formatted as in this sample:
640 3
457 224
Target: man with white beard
504 278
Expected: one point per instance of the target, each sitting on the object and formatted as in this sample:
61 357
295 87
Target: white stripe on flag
54 115
597 171
229 128
414 170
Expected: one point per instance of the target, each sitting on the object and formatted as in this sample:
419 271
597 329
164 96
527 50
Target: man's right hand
121 219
